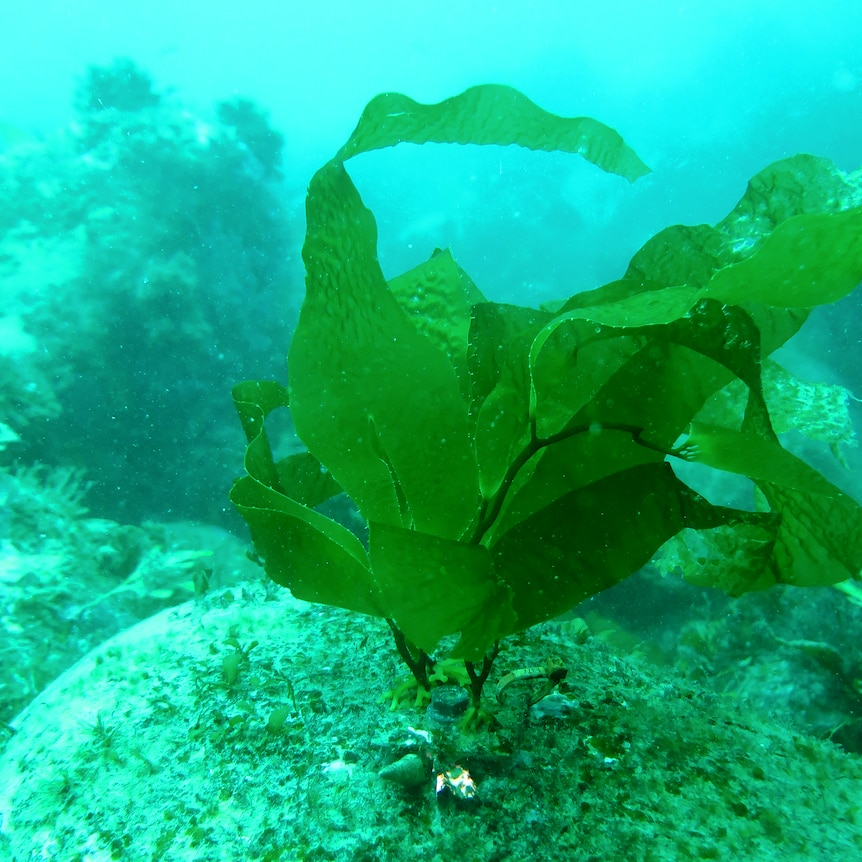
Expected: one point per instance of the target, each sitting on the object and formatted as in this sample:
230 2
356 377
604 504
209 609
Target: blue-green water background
707 93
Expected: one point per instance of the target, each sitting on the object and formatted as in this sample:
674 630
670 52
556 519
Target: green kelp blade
807 260
502 432
753 455
692 255
819 541
664 384
438 297
375 399
792 242
254 400
300 476
608 397
570 360
680 254
434 587
630 304
317 559
565 466
734 557
594 537
304 479
498 362
490 114
255 397
499 348
819 411
653 306
798 185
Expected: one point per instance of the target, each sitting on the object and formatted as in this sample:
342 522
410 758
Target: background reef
142 252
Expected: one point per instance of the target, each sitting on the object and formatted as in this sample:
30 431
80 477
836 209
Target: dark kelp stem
419 663
477 680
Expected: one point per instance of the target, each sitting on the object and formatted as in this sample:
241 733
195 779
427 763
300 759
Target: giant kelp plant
510 462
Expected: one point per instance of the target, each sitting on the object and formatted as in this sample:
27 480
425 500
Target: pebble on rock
410 771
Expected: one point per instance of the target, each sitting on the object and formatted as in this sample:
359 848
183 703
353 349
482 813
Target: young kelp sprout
510 462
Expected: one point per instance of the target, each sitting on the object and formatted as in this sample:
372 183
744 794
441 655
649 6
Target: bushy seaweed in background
510 462
142 249
253 131
122 86
105 92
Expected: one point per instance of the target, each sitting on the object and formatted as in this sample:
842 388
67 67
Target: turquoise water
706 97
154 164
